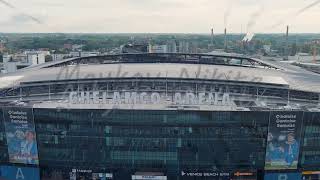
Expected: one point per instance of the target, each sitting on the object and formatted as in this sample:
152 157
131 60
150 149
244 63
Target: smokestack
225 40
286 52
212 36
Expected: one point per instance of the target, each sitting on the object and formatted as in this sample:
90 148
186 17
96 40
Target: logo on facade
98 97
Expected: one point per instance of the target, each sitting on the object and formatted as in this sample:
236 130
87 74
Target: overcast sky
158 16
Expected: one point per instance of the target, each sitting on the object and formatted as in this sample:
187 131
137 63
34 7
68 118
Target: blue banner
21 135
282 176
283 141
19 173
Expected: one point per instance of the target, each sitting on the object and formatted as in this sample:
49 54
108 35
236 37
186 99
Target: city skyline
159 16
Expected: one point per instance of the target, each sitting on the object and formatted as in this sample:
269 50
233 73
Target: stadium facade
160 117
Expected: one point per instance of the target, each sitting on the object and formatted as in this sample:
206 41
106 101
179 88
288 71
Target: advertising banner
21 135
19 173
148 176
89 174
219 175
143 177
283 141
245 175
311 175
282 176
102 176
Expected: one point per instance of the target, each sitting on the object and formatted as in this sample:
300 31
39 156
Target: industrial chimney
212 36
211 45
225 40
286 51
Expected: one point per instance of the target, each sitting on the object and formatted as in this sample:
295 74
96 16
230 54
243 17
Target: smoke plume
252 22
227 13
295 15
7 4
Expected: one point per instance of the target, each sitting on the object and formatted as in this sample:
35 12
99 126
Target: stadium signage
205 174
103 97
284 133
144 177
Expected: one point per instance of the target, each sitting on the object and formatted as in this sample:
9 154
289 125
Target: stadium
160 117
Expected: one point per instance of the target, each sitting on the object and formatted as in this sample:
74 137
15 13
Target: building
161 117
193 47
267 49
14 62
134 48
188 47
2 47
77 47
89 53
158 48
83 53
304 58
172 46
58 57
184 47
39 52
36 58
67 46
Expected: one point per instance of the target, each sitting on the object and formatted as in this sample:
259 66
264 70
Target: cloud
296 14
21 13
17 19
20 21
187 16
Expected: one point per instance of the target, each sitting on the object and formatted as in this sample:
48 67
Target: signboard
98 97
283 140
282 176
88 173
102 176
311 175
212 175
245 175
19 173
147 177
221 175
21 135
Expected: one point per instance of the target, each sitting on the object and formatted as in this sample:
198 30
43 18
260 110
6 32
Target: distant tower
225 40
212 36
286 51
211 45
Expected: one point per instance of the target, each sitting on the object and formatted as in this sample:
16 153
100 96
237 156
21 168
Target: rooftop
170 66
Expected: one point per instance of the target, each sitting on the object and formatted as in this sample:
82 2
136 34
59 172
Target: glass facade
3 142
124 142
310 157
153 139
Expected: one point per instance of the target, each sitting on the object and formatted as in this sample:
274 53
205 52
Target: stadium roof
262 72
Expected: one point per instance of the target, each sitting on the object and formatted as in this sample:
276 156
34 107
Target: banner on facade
20 135
283 141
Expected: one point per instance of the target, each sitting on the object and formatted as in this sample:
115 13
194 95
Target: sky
159 16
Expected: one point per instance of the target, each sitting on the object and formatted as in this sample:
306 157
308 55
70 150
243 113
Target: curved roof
206 67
